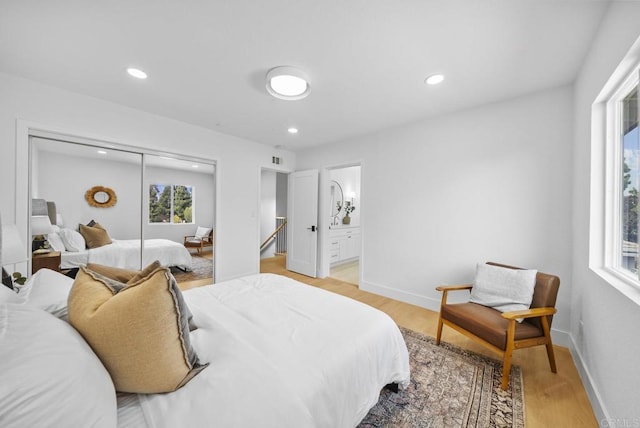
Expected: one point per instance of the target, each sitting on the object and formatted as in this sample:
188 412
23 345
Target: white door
302 223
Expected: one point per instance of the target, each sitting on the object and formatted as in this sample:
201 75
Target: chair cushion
486 323
503 288
202 232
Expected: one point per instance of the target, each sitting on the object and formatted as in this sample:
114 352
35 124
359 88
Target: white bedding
281 354
125 253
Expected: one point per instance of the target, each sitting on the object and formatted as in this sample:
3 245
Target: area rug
450 387
201 268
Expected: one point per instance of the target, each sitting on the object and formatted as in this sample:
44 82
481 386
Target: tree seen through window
170 203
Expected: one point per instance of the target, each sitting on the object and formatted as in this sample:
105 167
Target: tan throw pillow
137 330
123 275
130 276
95 236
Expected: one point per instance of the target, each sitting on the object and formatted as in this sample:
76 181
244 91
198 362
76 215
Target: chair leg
439 332
549 344
506 363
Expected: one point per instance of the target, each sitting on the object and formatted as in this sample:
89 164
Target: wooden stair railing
273 235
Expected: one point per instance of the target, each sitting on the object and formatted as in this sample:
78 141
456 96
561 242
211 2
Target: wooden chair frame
511 344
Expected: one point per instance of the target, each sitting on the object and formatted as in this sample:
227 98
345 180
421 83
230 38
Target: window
171 203
624 180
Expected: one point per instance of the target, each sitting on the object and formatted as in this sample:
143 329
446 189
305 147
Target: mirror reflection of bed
160 200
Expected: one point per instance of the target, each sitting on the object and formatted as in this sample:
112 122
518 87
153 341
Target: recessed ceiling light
102 152
137 73
434 79
292 130
288 83
194 166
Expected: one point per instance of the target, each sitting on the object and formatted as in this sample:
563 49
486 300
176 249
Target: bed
125 253
280 353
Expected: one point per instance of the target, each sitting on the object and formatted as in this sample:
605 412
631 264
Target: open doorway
273 217
344 224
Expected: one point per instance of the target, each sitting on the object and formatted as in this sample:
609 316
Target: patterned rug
201 268
450 387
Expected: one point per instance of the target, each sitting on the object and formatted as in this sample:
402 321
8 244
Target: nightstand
50 260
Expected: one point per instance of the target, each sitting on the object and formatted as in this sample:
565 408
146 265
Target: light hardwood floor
347 272
551 400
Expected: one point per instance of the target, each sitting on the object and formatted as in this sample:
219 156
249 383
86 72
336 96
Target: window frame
611 268
171 214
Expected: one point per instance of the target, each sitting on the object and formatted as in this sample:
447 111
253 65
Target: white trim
26 129
595 398
605 240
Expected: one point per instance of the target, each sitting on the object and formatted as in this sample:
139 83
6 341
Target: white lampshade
13 250
40 225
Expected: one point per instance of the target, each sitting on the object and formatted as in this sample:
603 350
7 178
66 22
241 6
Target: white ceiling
367 59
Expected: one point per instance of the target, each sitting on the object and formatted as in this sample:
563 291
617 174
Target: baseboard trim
403 296
559 337
587 381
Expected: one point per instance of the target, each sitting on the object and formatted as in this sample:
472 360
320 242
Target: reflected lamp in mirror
40 227
12 250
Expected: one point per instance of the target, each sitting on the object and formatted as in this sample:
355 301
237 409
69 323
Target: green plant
18 278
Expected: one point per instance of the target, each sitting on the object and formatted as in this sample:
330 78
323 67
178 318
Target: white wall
438 196
607 345
64 179
238 160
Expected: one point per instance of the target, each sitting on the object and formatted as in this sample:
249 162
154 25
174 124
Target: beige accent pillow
123 275
137 330
95 236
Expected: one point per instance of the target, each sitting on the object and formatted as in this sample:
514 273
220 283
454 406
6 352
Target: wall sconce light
352 196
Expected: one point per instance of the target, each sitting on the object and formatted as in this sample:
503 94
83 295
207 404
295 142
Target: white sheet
282 354
125 253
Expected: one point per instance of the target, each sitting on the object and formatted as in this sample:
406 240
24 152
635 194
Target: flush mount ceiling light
434 79
292 130
288 83
137 73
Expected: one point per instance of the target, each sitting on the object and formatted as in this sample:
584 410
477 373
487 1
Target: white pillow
73 241
49 375
502 288
47 290
202 232
55 228
56 242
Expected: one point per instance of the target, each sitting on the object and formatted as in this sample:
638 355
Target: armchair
500 331
202 238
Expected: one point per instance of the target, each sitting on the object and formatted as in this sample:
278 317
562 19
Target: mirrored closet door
113 206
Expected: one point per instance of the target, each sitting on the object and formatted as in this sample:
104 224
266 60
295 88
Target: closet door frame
26 129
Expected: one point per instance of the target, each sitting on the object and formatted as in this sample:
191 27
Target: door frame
259 203
25 129
324 266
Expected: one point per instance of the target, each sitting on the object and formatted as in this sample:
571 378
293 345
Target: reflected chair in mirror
202 239
500 331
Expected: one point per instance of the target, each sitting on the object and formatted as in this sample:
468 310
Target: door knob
312 228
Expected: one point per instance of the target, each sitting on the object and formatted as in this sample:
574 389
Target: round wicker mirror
101 197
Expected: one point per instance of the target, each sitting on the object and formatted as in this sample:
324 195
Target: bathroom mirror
336 197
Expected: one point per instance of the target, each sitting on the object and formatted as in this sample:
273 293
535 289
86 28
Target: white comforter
282 354
125 254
